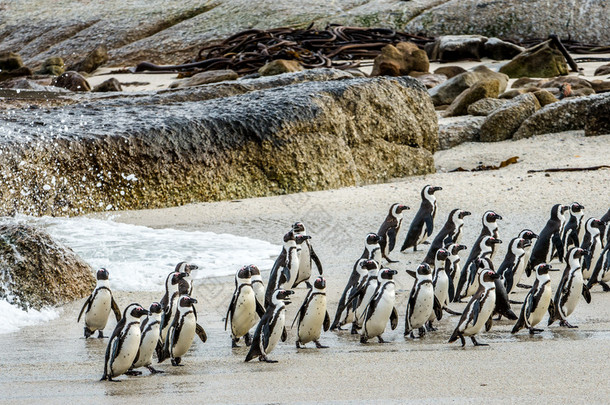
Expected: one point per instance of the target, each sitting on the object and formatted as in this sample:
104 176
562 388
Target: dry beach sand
52 363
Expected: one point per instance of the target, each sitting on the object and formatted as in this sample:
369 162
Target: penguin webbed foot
462 340
87 332
474 341
425 242
451 312
380 339
234 343
363 340
354 329
499 318
567 324
524 286
320 345
430 328
390 260
154 370
100 334
266 359
247 339
176 362
133 372
422 332
534 331
605 286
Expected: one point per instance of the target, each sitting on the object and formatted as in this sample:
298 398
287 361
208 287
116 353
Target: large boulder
211 76
476 92
598 117
53 66
497 49
10 61
72 81
454 131
501 124
485 106
602 70
36 270
456 47
94 59
111 84
542 60
400 60
449 71
446 92
120 153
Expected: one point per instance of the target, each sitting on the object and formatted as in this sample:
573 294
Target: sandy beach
53 363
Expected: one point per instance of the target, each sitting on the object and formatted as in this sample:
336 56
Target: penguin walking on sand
98 305
286 267
364 293
181 332
467 284
490 228
520 270
423 223
601 272
537 301
149 336
442 284
307 256
549 237
244 310
454 271
345 312
381 308
313 316
592 244
606 232
187 281
257 284
388 230
422 302
513 261
569 290
573 230
168 303
271 327
124 343
450 233
478 311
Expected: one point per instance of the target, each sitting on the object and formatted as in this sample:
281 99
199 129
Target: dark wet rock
52 66
449 71
19 72
118 154
94 59
545 97
497 49
280 66
456 47
447 92
485 106
602 70
600 86
542 60
400 60
212 76
478 91
111 84
36 270
565 115
429 79
10 61
72 81
30 84
598 117
454 131
501 124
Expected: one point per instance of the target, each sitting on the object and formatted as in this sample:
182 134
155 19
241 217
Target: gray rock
603 70
111 84
485 106
565 115
114 154
598 117
212 76
429 79
456 47
36 270
449 71
94 59
454 131
280 66
479 90
10 61
72 81
501 124
497 49
446 92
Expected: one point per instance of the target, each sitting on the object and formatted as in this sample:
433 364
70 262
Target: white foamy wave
139 258
13 318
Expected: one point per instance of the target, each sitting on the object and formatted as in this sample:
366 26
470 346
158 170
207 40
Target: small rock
429 79
456 47
598 117
502 123
111 84
446 92
400 60
280 66
19 72
10 61
485 106
52 66
507 95
479 90
96 58
600 86
602 70
457 130
497 49
72 81
574 81
525 82
449 71
211 76
542 60
545 97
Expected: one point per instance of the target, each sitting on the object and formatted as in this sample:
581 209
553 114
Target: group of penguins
368 299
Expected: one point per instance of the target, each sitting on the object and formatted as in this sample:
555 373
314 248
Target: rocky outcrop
449 71
52 66
446 92
542 60
602 70
36 270
72 81
94 59
545 97
598 117
212 76
501 124
400 60
456 47
111 84
116 154
476 92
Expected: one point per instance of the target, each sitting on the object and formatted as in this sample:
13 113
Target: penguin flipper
391 239
259 309
284 334
476 308
508 280
552 312
85 305
301 312
429 221
489 323
201 333
558 246
315 259
394 318
451 288
412 273
586 293
115 308
438 309
231 309
326 324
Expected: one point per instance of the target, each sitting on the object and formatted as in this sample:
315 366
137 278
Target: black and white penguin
518 275
442 285
149 336
454 271
467 284
573 230
181 332
537 301
592 243
601 272
490 228
478 311
168 303
286 267
345 312
381 308
549 237
124 343
388 231
257 284
307 256
421 302
187 281
606 233
364 293
569 290
244 310
423 223
98 305
313 315
513 261
270 328
450 233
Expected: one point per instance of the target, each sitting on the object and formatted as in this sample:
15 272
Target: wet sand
53 363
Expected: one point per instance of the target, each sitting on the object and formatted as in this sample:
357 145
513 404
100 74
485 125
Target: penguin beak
466 213
498 216
193 301
495 276
551 269
437 188
496 241
462 247
191 267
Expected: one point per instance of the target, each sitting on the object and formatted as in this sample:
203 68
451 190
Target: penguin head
594 225
134 311
186 301
454 248
372 239
298 228
244 274
442 254
574 254
462 214
487 277
184 267
527 234
288 237
490 217
543 269
254 271
396 209
175 277
424 271
320 283
368 264
521 243
155 308
102 274
301 238
428 191
490 241
387 274
282 297
577 208
484 263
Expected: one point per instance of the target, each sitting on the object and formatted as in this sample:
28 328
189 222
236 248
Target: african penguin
478 311
364 293
168 303
388 231
451 232
124 343
550 236
307 256
518 275
244 310
149 336
286 267
601 272
423 223
513 261
490 228
467 283
421 303
313 315
606 233
572 231
187 281
454 270
270 328
442 284
593 245
381 308
98 305
181 332
537 301
257 284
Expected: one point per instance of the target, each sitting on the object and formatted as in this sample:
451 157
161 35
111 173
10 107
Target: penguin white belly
543 305
376 324
368 295
574 293
519 270
244 316
276 333
457 270
472 288
172 313
423 306
97 317
304 272
259 291
125 357
187 334
423 235
597 249
147 347
441 291
310 327
484 314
